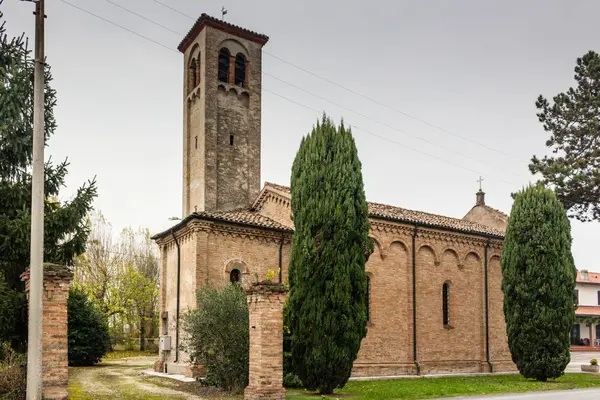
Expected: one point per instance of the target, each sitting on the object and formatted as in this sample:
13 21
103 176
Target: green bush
593 361
538 284
217 335
13 374
89 339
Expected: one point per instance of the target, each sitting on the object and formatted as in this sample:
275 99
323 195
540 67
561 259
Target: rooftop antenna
223 12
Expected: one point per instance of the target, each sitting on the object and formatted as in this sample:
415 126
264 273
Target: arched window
240 70
224 65
235 276
192 82
368 299
446 303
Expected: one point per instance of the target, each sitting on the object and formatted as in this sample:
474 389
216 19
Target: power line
117 25
293 101
142 17
389 126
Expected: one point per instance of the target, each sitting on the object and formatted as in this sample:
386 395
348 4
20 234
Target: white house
587 291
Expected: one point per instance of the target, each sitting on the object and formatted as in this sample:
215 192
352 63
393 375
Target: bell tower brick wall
222 119
55 349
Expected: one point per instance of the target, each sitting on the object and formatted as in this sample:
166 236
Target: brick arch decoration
450 249
436 257
377 244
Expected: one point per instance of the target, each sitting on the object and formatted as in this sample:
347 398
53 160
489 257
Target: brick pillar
265 306
55 356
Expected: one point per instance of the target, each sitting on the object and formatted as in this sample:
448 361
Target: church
434 282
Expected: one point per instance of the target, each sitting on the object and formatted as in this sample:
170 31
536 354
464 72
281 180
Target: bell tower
221 115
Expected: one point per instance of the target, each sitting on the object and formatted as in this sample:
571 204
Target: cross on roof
480 180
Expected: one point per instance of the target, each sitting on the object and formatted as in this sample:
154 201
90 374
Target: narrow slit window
368 299
231 140
446 303
196 142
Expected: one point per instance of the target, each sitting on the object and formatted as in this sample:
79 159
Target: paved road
581 394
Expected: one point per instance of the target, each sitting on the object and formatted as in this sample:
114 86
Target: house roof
206 20
587 311
593 278
385 211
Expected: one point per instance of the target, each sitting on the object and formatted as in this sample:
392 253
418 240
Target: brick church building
435 303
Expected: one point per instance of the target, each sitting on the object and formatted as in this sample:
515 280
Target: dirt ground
122 379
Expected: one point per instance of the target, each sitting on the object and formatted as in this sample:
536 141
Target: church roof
206 20
385 211
239 216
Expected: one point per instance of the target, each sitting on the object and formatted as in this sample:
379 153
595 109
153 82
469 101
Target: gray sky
473 68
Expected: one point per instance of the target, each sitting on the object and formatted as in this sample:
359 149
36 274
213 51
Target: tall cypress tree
538 284
327 269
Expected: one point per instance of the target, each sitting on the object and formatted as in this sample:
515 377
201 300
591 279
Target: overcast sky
469 73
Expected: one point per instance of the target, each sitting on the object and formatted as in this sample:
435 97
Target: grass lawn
428 388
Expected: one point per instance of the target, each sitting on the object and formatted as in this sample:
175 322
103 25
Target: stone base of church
452 367
252 393
504 366
384 369
195 371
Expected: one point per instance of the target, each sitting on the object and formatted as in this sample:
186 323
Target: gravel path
122 379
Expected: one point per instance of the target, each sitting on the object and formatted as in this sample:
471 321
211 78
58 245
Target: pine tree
327 269
573 121
65 230
538 284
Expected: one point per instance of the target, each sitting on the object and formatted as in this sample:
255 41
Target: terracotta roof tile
587 310
377 210
242 216
207 20
593 277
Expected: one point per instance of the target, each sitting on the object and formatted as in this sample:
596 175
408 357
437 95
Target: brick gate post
55 347
265 306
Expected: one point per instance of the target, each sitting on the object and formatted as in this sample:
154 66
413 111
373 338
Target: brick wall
265 306
55 372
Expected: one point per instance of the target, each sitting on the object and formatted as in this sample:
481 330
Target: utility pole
36 266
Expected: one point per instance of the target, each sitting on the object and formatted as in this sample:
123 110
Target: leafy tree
573 120
217 335
65 231
538 284
88 330
327 269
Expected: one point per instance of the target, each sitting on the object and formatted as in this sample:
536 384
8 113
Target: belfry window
446 303
240 70
192 74
224 57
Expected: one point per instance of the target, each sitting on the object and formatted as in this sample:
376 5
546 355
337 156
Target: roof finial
480 195
223 12
480 180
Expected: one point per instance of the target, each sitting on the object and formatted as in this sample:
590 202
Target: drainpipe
414 282
178 289
487 314
281 260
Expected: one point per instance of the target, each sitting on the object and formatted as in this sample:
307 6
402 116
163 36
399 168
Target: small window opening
234 276
240 70
231 140
192 74
368 299
224 65
446 303
196 142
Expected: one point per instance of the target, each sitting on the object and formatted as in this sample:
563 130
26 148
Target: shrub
538 284
328 284
13 374
89 339
217 335
593 361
